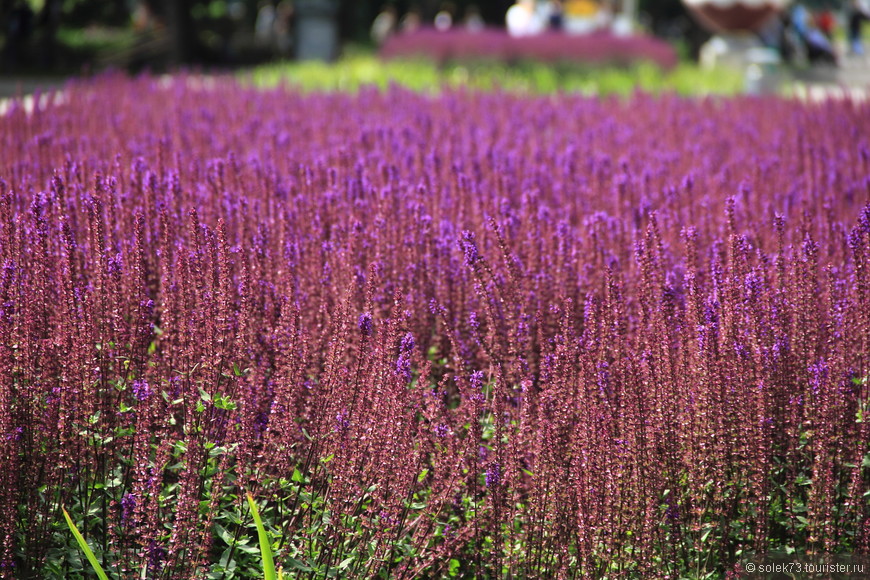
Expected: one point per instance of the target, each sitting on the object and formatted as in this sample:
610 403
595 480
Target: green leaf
224 402
706 534
84 546
453 567
345 563
231 517
423 475
224 534
265 546
297 476
245 547
294 564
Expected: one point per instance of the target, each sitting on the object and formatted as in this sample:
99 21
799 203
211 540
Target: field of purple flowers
472 335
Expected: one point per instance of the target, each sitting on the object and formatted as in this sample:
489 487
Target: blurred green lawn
359 68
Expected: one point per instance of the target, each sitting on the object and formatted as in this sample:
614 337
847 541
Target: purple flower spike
366 327
128 504
141 389
493 475
407 343
469 248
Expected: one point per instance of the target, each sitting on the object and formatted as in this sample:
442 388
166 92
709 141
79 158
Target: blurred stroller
797 40
817 46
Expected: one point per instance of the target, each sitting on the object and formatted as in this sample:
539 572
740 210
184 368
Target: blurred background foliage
66 34
64 37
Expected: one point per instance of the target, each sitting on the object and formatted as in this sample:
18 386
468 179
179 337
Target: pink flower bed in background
495 44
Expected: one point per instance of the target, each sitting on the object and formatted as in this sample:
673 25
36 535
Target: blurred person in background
385 25
522 19
444 17
411 21
143 18
264 26
284 14
473 21
555 15
777 33
817 47
825 22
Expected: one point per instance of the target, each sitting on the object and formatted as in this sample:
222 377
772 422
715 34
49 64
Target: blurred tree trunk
428 9
182 35
120 12
121 7
354 19
49 22
8 54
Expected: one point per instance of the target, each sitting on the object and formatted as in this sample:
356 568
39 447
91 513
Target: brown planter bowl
734 18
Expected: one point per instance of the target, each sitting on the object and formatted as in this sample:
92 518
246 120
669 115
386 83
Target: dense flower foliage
469 334
600 48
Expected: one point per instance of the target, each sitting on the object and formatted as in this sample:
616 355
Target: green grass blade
84 546
265 546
